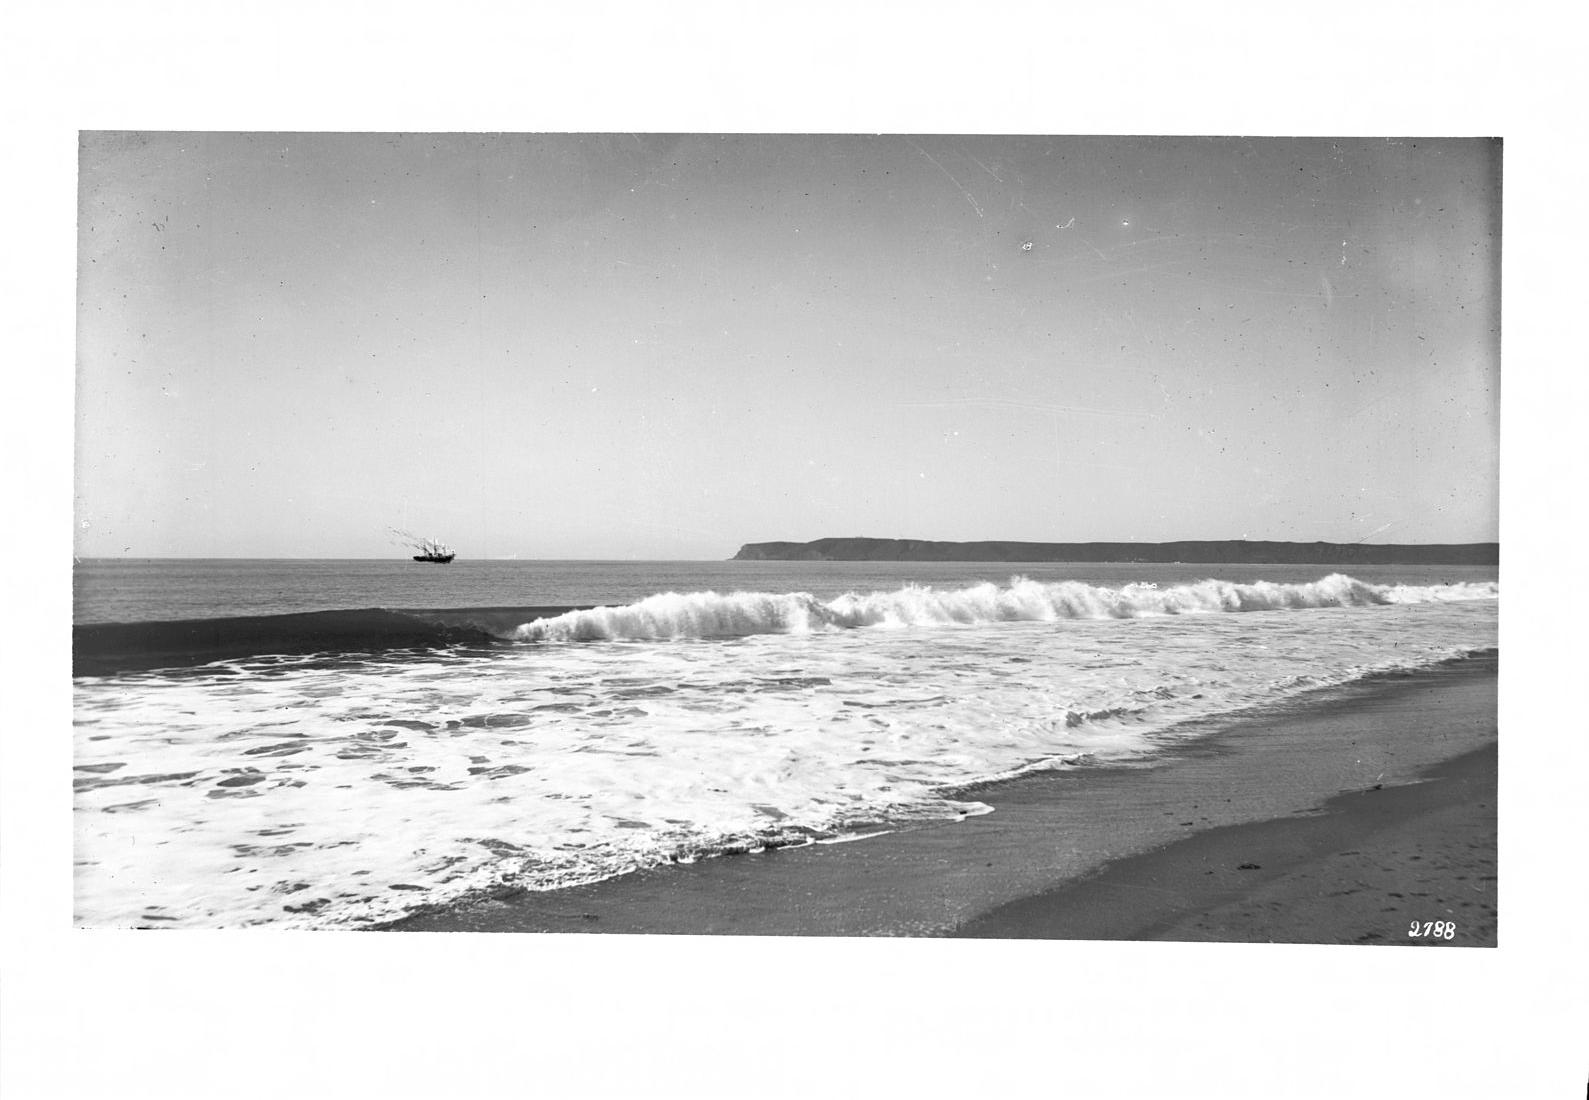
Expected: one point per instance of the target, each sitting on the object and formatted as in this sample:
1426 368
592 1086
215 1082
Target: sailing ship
433 551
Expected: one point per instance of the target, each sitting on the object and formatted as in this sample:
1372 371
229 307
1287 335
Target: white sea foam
675 615
301 792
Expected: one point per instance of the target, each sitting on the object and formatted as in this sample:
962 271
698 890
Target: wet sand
1373 866
1331 797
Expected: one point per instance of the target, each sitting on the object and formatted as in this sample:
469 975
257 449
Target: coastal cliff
1231 551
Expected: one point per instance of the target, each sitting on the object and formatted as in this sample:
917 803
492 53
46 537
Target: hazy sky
618 346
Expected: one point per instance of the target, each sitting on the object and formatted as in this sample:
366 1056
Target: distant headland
1228 551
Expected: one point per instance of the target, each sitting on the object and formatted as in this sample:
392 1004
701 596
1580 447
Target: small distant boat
435 552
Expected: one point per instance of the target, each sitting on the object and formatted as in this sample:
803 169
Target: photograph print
1056 537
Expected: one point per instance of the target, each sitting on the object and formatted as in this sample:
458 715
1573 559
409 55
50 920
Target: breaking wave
675 615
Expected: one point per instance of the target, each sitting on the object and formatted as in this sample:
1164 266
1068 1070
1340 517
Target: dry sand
1137 853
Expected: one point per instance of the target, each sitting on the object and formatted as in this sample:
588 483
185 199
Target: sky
664 346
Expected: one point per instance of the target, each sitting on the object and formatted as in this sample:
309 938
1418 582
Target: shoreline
1050 832
1186 551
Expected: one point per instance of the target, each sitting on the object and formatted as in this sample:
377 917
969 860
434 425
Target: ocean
335 744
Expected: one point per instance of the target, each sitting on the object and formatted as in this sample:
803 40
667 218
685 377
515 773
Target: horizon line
793 542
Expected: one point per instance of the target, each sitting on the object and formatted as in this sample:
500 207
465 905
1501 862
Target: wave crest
675 615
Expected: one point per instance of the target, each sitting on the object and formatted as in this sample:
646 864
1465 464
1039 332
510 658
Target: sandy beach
1372 866
1338 818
